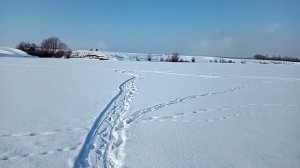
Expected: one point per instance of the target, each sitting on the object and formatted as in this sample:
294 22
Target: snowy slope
82 113
92 54
6 51
126 56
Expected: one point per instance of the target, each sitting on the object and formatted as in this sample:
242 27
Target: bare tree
25 45
193 59
54 44
50 47
63 46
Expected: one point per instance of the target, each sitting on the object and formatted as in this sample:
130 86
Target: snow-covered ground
85 113
12 52
125 56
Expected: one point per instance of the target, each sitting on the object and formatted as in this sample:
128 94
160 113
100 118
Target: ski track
203 110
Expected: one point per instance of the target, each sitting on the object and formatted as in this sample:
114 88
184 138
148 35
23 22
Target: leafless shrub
175 57
149 57
193 59
50 47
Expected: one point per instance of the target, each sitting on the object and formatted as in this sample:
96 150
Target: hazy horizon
235 28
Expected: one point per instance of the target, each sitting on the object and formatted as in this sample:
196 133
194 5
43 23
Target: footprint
33 134
179 114
167 117
44 153
73 148
60 150
4 158
25 155
227 117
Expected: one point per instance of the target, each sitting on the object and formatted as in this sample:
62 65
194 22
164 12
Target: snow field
81 113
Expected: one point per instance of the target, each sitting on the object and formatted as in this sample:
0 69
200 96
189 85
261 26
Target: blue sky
213 27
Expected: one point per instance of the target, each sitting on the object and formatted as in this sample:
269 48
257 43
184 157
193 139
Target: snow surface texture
80 113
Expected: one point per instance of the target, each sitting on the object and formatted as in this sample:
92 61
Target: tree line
49 47
276 58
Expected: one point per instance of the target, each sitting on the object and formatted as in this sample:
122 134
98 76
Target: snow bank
6 51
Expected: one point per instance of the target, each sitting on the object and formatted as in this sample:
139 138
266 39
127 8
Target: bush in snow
193 59
149 57
222 61
175 57
50 47
68 54
24 46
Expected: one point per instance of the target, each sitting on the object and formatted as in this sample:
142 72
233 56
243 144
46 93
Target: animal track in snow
182 74
136 115
106 140
203 110
50 152
174 118
56 131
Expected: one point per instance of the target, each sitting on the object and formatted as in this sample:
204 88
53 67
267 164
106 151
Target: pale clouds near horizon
271 39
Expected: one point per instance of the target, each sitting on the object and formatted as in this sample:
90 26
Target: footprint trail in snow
105 143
